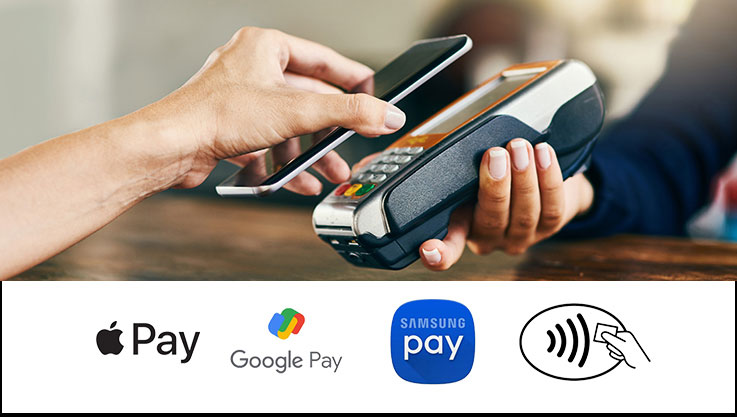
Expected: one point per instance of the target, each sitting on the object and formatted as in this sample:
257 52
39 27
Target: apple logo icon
108 341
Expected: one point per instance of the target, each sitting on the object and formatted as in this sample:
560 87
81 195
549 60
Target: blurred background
68 64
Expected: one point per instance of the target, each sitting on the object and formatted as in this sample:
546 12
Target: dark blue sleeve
653 171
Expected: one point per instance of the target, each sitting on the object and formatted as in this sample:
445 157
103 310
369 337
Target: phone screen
398 78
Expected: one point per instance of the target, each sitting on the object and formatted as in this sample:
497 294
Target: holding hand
522 199
624 346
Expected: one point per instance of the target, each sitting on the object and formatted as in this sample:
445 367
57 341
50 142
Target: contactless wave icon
284 324
562 340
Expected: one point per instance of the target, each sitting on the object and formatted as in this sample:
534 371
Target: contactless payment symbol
576 342
286 323
433 341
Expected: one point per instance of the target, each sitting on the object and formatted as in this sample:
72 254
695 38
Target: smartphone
392 83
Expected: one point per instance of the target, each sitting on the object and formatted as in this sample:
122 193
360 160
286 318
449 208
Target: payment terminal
405 195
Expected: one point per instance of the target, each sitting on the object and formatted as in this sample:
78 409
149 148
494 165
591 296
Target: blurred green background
68 64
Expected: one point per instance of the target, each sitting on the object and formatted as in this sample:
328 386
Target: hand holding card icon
624 346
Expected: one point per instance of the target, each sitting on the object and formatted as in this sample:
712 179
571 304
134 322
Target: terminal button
364 177
415 150
342 189
389 168
377 178
364 189
402 159
352 189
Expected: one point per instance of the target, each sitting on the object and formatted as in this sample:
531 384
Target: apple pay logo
167 343
432 341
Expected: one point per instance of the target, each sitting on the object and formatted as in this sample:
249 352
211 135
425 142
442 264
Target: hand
262 88
258 90
522 199
625 347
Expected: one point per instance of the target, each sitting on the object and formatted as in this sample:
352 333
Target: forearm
652 180
58 192
652 171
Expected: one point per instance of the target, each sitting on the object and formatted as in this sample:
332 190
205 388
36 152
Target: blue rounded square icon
433 341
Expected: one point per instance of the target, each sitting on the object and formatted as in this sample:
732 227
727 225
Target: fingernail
394 118
497 164
520 158
542 154
432 257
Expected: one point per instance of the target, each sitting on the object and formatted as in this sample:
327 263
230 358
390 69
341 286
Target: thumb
614 341
439 255
362 113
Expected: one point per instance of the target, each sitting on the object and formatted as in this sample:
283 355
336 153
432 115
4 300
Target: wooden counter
181 238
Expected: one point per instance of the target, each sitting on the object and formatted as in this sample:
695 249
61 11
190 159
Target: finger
363 162
491 214
552 197
319 61
615 356
310 84
625 335
525 202
333 168
614 340
304 183
439 255
613 349
364 114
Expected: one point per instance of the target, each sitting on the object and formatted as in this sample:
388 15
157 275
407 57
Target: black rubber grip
451 174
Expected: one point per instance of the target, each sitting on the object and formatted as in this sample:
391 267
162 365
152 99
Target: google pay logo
287 323
433 341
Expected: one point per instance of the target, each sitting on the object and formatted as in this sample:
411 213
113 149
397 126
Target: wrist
182 131
156 146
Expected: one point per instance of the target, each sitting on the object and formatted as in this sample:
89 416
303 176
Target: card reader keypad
377 171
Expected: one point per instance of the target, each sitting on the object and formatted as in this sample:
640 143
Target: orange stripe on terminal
429 140
426 141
